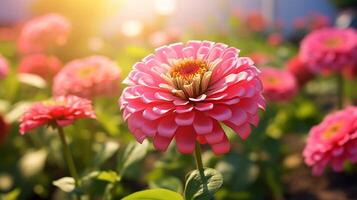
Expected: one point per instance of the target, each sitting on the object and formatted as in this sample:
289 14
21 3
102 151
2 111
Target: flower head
4 67
185 91
300 70
60 111
256 21
275 39
329 50
41 65
4 128
88 77
44 32
333 141
278 85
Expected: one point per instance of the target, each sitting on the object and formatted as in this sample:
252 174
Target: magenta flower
40 64
4 67
329 50
333 141
61 111
278 85
88 77
185 91
43 33
300 70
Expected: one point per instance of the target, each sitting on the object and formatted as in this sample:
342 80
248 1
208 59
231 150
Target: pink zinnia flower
61 111
185 91
256 21
329 50
333 141
275 39
88 77
40 64
278 85
4 67
300 70
43 33
260 58
319 21
4 128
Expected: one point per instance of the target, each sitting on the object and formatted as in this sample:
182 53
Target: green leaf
109 176
154 194
195 188
12 195
133 153
167 182
66 184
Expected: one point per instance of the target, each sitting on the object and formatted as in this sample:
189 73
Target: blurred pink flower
43 33
319 21
4 128
278 85
158 38
333 141
350 71
256 21
40 64
88 77
329 50
299 23
8 33
184 92
4 67
300 70
61 111
260 58
275 39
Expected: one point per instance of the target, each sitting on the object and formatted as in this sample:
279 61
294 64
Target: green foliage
202 188
154 194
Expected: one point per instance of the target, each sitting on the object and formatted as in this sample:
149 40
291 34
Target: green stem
69 159
199 163
340 91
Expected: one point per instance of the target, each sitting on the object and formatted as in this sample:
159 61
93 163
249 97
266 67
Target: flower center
188 69
272 80
55 103
333 41
189 77
84 72
332 130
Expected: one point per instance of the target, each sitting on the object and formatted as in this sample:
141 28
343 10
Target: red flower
300 70
41 65
275 39
61 111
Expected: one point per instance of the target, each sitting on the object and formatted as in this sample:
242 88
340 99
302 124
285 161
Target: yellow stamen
332 130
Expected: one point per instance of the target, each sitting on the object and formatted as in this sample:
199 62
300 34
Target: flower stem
199 163
340 91
68 157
